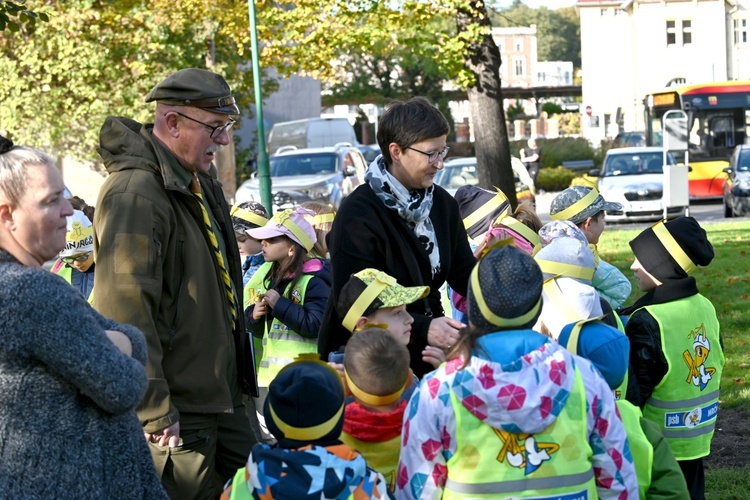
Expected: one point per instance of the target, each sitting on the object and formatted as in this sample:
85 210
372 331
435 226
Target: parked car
737 185
634 177
459 172
630 139
311 133
297 175
369 151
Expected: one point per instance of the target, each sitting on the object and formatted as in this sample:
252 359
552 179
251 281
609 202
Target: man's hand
168 436
121 341
443 332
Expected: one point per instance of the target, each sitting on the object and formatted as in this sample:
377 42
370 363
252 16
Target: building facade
637 46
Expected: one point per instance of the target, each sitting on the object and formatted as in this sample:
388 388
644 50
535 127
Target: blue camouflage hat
578 203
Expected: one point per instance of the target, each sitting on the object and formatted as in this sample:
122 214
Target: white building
632 47
553 73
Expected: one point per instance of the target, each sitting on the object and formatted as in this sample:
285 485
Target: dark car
630 139
737 184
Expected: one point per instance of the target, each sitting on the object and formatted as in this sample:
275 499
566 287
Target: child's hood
320 268
311 472
522 396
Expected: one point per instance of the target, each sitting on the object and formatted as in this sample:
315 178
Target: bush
554 179
556 151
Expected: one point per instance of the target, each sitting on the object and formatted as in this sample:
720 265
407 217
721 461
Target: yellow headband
567 270
248 216
378 284
320 218
576 207
284 219
674 248
371 399
492 317
516 225
306 433
485 209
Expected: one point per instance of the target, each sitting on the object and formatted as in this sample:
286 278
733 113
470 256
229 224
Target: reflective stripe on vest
555 461
640 446
280 344
685 403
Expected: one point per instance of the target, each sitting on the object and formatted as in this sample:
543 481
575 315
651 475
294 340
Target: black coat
367 234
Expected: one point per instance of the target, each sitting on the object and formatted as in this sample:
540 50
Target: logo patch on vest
692 418
296 296
699 374
523 452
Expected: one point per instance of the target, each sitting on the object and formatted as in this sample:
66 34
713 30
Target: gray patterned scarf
413 206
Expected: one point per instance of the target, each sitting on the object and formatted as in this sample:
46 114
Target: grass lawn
726 282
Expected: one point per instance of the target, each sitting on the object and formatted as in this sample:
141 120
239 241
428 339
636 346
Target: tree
13 15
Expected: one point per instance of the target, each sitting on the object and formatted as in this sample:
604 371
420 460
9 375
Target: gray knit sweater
67 395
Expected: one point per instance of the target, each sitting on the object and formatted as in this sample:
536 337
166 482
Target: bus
718 116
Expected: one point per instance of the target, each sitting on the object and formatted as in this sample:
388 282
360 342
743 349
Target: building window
740 31
518 68
604 12
619 12
687 32
541 77
671 33
500 47
519 45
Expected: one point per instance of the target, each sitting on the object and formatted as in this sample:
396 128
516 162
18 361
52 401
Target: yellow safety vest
382 456
66 273
640 446
491 463
280 344
686 401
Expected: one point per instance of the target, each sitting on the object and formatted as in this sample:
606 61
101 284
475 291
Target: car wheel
728 212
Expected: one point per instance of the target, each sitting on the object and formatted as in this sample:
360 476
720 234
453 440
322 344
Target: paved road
703 211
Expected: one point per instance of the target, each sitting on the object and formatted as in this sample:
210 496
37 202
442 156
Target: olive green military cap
198 88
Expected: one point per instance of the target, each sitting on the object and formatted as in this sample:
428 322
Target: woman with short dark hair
401 223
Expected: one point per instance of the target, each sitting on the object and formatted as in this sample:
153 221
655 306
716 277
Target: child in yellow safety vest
372 297
675 344
376 374
76 261
286 297
512 413
305 412
608 349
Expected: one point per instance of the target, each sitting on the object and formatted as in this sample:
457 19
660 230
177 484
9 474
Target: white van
311 133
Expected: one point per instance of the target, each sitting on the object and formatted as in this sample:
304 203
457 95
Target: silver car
297 175
737 184
634 177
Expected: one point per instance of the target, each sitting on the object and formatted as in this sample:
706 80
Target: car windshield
309 164
455 176
743 162
635 164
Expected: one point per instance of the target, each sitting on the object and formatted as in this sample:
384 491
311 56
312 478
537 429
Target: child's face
248 246
643 278
398 320
593 228
277 249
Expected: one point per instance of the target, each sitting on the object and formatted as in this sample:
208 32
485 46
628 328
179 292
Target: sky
535 4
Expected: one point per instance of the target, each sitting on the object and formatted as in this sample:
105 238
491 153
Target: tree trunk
486 101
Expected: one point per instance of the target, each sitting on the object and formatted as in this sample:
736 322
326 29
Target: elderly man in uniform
168 263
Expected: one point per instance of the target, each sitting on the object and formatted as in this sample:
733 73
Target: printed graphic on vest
699 374
523 452
692 418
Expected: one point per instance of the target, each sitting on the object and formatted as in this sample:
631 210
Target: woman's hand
443 332
433 356
121 341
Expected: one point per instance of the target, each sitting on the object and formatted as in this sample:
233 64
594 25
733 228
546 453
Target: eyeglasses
215 131
76 258
434 155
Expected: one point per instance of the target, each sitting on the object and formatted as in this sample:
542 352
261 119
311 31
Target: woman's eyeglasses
432 156
76 258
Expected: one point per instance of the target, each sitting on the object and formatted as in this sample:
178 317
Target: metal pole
264 177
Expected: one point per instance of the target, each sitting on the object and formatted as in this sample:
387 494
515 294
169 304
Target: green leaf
44 17
15 28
